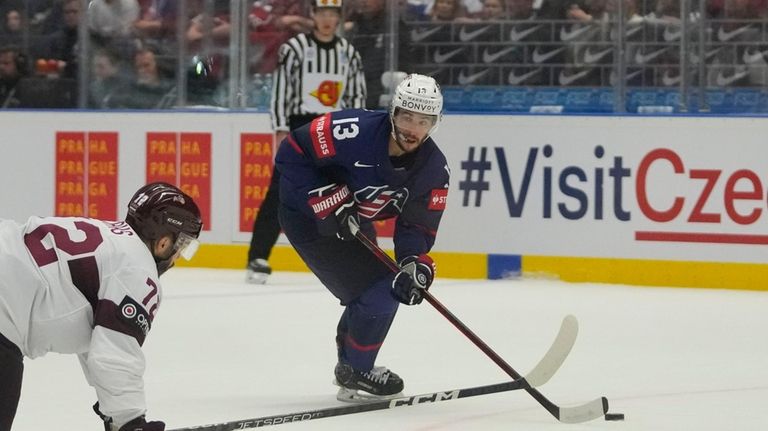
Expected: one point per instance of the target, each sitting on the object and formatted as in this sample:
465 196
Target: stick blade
557 353
585 412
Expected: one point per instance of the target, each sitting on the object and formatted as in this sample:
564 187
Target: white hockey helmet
421 94
326 3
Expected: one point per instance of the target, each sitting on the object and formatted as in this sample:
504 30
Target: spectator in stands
448 10
207 26
493 10
147 69
557 9
7 6
272 22
587 12
62 43
410 10
12 69
744 9
666 11
109 19
207 34
150 88
45 16
292 16
111 24
470 7
106 78
157 23
519 9
13 28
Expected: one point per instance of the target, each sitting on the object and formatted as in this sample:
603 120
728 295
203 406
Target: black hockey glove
415 276
138 424
334 207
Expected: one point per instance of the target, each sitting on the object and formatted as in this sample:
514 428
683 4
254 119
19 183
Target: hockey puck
614 416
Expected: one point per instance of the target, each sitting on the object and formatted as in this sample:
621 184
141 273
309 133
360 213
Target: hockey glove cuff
334 207
415 276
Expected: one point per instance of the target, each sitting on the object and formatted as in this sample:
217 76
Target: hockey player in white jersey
91 287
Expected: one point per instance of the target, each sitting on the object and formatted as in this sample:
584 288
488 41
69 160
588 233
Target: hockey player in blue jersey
358 166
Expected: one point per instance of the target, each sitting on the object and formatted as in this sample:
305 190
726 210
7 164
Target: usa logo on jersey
379 202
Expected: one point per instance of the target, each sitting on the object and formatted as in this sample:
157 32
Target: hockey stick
540 374
309 415
582 413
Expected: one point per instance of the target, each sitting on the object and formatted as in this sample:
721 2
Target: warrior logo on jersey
327 93
322 139
379 202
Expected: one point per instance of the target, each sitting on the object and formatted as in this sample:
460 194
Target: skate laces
378 375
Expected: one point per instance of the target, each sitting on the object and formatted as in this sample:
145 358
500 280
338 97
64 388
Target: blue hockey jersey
351 147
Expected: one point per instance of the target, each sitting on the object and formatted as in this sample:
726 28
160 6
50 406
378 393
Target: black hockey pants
11 371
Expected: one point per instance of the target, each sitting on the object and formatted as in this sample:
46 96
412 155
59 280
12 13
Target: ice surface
221 350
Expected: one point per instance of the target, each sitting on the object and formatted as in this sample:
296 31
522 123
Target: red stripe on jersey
437 199
363 348
322 138
293 143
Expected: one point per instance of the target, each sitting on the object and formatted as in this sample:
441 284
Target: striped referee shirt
315 77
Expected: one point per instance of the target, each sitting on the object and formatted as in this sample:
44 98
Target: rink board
640 200
637 272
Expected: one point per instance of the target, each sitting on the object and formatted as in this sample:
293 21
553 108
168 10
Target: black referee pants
266 226
11 372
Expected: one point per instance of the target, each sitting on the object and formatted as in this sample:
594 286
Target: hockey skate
257 271
377 384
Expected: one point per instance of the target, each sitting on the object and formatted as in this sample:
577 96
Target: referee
317 72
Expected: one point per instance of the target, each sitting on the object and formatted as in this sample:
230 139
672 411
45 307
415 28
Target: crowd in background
135 50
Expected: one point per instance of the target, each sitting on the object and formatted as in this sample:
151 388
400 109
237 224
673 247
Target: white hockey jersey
83 286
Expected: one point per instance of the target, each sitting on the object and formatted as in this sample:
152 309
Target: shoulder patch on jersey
128 318
322 138
134 315
437 199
